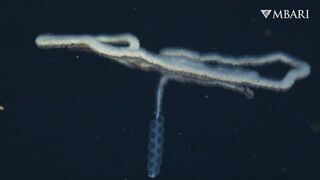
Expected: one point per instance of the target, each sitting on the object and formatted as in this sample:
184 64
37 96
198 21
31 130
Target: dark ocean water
74 115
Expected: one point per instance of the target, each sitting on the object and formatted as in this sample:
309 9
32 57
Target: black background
87 117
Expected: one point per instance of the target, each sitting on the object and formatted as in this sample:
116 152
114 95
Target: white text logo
286 14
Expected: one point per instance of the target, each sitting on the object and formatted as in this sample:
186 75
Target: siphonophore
182 65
